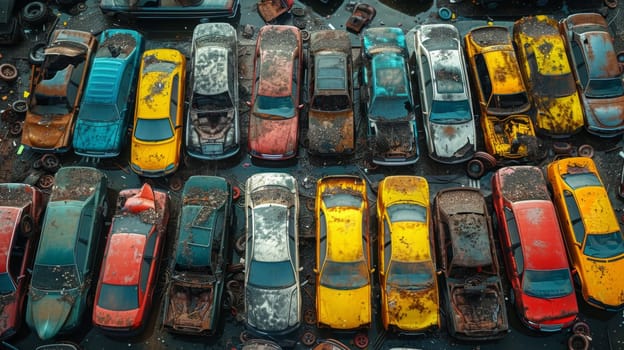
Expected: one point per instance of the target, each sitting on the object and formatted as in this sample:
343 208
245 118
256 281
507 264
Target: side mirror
248 103
301 106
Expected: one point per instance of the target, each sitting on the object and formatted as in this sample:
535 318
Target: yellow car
343 272
546 70
503 99
591 231
409 290
159 113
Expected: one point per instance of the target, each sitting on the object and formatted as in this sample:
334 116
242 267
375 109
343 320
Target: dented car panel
343 253
56 89
272 288
131 262
64 266
590 229
589 44
195 290
408 282
212 126
20 214
472 291
546 70
331 125
159 114
446 103
275 102
386 97
501 93
533 249
106 107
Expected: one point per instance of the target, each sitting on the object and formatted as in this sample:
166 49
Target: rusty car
21 208
504 102
272 290
331 124
591 231
275 100
589 44
212 125
546 70
386 97
533 249
407 277
445 100
129 272
361 16
128 10
159 113
64 270
195 288
56 88
343 253
472 289
107 105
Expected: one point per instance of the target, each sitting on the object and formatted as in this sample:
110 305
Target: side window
323 234
387 243
426 89
148 258
124 88
512 227
292 223
483 76
519 258
295 76
173 106
575 216
84 235
579 61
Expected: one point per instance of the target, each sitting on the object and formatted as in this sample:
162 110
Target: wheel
580 327
35 13
46 181
19 106
585 151
360 340
15 129
239 245
8 72
50 162
27 225
308 338
309 316
36 55
475 168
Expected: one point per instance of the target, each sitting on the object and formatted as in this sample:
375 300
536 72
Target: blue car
386 95
65 263
107 101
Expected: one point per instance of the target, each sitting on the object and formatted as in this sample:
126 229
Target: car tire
27 226
475 168
8 72
35 13
36 55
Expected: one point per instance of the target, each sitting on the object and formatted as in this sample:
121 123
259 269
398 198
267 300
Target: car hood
49 313
273 136
331 132
413 310
604 281
555 311
154 156
606 113
47 132
452 141
559 116
344 309
96 137
268 310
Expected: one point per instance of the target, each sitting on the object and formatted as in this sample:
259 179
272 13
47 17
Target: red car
274 105
533 249
131 261
20 210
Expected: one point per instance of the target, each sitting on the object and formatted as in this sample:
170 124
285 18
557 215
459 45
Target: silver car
212 126
444 94
272 289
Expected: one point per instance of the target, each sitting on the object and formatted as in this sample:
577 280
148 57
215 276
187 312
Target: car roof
122 265
104 80
59 233
330 70
211 70
276 73
600 55
447 68
155 82
542 34
389 73
270 233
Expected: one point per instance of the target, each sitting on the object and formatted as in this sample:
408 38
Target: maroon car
21 206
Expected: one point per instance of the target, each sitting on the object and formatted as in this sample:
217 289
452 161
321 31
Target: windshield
407 212
411 275
212 102
603 246
275 106
508 102
153 130
99 112
344 275
55 277
605 88
54 105
118 298
450 112
271 275
342 200
555 85
6 284
547 284
580 180
331 103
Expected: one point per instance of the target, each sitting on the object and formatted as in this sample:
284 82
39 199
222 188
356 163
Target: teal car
64 269
106 105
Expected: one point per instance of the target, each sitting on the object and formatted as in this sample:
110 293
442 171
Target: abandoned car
129 272
212 125
56 89
107 105
272 288
533 249
194 294
386 97
445 100
159 113
275 101
178 9
407 277
590 229
20 213
471 285
331 125
343 253
64 269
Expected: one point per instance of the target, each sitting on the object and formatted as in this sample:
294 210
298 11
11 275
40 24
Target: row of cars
548 250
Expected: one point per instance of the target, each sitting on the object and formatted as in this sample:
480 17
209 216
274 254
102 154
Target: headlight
229 137
170 167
